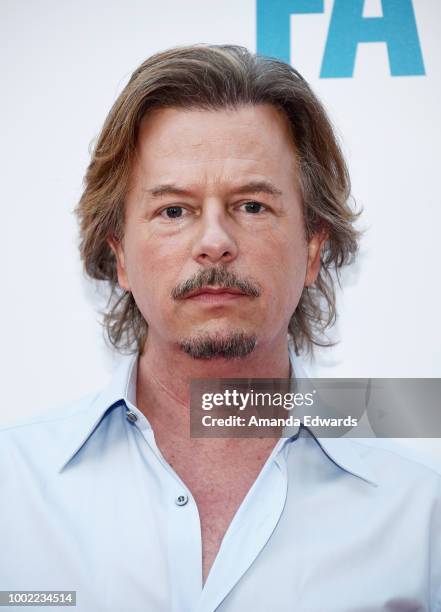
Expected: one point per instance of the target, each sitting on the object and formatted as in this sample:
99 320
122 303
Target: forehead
215 144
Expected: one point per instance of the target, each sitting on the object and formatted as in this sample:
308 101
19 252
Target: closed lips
221 290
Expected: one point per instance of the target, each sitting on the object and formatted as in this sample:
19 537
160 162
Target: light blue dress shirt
89 504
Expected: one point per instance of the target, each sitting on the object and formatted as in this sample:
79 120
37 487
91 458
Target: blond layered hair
215 77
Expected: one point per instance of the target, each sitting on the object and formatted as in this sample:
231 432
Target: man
216 206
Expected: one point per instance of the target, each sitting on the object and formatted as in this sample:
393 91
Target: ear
118 251
314 251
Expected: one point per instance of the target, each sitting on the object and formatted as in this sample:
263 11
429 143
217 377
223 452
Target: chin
219 344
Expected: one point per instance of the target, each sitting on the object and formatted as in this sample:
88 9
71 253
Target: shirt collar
121 392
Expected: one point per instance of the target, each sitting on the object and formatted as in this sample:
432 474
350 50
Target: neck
165 372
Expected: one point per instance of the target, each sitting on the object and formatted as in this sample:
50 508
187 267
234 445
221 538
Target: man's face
214 202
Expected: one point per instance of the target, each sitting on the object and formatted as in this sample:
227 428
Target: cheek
285 260
153 267
285 256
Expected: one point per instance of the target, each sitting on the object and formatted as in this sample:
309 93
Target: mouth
215 294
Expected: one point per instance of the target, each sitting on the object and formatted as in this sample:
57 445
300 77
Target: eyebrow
250 187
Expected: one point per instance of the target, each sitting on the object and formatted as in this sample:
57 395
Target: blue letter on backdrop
397 28
273 18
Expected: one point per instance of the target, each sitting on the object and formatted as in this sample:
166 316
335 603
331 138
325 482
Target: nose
214 242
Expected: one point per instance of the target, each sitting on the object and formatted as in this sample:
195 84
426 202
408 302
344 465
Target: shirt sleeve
435 553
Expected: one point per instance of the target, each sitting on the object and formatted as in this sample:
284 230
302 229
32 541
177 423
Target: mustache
220 277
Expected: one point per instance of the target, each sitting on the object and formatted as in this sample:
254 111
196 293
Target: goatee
212 346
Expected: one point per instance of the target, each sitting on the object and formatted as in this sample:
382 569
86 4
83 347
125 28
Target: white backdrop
63 64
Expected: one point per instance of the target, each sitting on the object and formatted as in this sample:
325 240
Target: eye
253 207
172 212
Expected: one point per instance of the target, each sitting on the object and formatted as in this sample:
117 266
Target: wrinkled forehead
214 145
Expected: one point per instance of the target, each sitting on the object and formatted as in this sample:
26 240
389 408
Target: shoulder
52 416
408 453
37 440
401 465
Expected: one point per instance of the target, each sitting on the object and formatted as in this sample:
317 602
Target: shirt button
131 416
181 500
